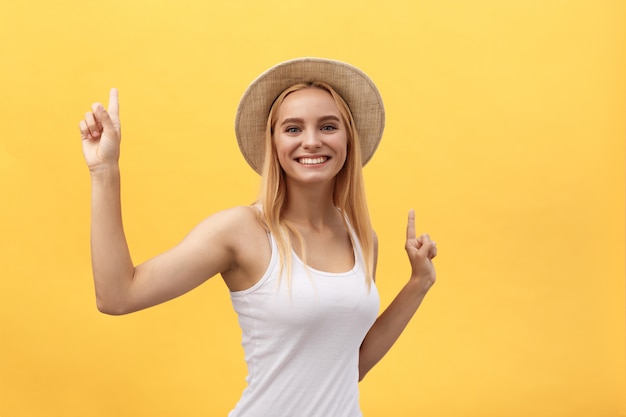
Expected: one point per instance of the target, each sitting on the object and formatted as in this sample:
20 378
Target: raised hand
101 134
421 250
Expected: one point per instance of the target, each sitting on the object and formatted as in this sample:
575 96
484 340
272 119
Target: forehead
308 102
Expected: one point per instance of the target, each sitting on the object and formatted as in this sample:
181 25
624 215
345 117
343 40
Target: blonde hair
348 194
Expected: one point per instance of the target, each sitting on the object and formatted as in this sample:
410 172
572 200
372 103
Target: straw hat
356 88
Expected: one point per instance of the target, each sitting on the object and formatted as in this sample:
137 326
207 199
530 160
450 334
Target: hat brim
354 86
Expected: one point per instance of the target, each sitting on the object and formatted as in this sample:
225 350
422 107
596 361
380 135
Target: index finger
114 107
410 226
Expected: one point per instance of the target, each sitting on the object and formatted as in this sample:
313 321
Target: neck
310 205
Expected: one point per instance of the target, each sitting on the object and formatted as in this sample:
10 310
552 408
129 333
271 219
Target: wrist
418 285
104 172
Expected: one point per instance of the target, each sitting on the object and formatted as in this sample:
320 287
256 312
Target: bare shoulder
248 242
241 217
231 225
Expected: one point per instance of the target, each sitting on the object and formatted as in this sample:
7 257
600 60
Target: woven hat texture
354 86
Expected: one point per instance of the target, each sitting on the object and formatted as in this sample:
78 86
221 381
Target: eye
292 129
329 127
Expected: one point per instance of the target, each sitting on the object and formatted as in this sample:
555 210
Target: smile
313 161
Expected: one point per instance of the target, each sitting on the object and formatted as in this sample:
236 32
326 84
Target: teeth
313 161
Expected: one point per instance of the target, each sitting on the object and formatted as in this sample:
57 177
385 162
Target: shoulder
248 245
233 233
237 215
233 222
243 226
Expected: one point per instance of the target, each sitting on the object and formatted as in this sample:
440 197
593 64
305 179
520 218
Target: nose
311 139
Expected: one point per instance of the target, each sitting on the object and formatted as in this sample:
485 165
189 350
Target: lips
312 161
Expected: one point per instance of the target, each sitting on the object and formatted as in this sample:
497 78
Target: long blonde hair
348 194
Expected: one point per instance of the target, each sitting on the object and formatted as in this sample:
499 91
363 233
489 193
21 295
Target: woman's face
310 136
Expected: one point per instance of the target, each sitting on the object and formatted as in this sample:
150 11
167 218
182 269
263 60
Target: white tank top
302 346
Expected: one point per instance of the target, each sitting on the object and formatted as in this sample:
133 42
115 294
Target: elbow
110 311
110 308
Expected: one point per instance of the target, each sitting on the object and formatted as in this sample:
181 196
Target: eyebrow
299 120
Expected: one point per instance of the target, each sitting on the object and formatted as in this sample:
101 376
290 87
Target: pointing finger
114 106
410 226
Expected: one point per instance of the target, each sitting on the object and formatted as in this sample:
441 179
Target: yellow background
506 123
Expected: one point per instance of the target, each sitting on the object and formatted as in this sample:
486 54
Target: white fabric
302 347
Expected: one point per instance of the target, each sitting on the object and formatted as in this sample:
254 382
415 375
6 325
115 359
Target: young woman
300 263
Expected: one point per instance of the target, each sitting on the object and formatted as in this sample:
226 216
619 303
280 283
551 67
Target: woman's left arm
389 325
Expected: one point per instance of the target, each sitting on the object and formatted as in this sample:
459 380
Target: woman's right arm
120 286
